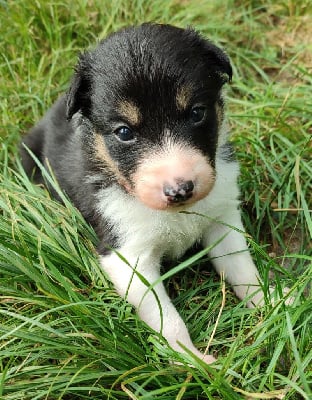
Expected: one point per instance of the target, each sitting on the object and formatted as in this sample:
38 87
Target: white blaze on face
171 164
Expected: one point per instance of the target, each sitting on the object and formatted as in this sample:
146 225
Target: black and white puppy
140 136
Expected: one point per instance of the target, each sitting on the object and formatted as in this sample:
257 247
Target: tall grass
64 333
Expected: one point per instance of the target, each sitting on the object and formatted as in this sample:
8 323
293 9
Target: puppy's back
47 138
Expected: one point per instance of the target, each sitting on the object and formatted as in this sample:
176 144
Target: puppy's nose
182 191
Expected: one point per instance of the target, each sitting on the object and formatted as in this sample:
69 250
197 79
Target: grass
64 333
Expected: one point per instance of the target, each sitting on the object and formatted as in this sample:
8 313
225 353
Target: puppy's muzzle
176 175
179 193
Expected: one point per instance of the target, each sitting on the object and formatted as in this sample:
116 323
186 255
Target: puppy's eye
124 134
197 114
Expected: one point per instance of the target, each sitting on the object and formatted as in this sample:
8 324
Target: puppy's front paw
275 297
188 353
209 359
258 299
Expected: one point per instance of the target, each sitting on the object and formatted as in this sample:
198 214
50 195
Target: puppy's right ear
78 95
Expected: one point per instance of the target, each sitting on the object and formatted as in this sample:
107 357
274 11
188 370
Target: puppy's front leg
231 257
131 279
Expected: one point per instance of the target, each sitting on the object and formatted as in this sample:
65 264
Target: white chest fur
167 232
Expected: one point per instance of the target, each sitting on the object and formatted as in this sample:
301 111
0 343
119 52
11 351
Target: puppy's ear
224 65
219 62
78 95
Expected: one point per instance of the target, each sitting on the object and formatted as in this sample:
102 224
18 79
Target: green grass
64 333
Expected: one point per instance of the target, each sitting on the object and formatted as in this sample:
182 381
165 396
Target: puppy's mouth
173 179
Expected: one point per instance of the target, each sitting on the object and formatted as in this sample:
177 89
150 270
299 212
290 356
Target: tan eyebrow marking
183 97
130 112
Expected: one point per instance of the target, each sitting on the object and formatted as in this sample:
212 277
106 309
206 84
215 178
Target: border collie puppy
139 137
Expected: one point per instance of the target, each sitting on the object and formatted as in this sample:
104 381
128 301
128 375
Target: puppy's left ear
219 62
226 71
78 95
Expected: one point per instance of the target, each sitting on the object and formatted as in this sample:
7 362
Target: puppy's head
149 100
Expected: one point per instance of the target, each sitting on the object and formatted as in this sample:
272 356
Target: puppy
141 136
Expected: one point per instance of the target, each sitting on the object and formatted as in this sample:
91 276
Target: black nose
180 192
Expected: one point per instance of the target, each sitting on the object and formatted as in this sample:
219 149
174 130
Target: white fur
149 234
